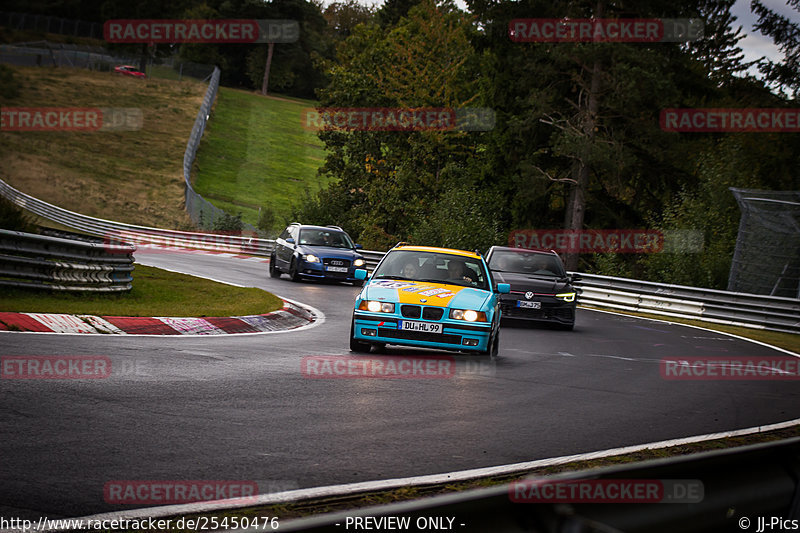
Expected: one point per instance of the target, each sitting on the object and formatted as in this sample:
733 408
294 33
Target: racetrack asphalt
242 407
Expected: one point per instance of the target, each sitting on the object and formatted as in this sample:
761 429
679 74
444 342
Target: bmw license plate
425 327
525 304
336 269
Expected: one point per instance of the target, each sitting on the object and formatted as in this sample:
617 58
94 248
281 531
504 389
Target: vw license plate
336 269
425 327
529 305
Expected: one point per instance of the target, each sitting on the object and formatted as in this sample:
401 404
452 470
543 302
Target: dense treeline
577 141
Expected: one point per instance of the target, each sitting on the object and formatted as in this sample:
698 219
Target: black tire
494 345
356 345
273 268
566 327
293 275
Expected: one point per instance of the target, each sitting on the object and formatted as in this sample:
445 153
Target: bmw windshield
433 267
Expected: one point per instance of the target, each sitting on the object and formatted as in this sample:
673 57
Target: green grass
128 176
155 292
256 153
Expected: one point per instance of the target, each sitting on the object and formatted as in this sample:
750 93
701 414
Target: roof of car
310 226
515 249
453 251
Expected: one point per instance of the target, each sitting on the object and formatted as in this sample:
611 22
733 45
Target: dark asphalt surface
239 407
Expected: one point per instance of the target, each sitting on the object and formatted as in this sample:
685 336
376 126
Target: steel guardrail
706 305
679 301
145 236
55 263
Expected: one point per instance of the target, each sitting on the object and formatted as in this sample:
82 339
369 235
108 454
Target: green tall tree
786 34
392 181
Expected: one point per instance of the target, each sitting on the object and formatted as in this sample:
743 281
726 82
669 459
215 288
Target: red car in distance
128 70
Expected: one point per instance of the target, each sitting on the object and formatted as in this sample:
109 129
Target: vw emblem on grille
528 295
337 263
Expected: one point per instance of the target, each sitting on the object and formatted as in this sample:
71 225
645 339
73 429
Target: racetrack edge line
368 486
794 354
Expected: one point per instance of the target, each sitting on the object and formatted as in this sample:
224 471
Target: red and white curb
292 316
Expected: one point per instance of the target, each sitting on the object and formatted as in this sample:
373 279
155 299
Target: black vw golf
541 289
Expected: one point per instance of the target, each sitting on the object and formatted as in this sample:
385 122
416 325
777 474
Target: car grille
444 338
332 261
417 311
411 311
432 313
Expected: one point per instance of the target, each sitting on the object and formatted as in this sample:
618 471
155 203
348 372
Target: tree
718 50
391 181
343 16
786 34
392 11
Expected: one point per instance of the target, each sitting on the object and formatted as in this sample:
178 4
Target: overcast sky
755 45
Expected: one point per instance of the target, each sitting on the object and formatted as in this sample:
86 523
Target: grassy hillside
256 153
134 177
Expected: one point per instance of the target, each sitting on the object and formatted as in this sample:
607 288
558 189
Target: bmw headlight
468 314
566 296
358 262
376 306
311 258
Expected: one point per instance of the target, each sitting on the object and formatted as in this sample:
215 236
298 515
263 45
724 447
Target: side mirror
358 247
290 241
503 288
360 274
576 277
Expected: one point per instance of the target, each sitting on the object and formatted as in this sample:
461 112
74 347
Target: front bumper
553 310
382 328
317 271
